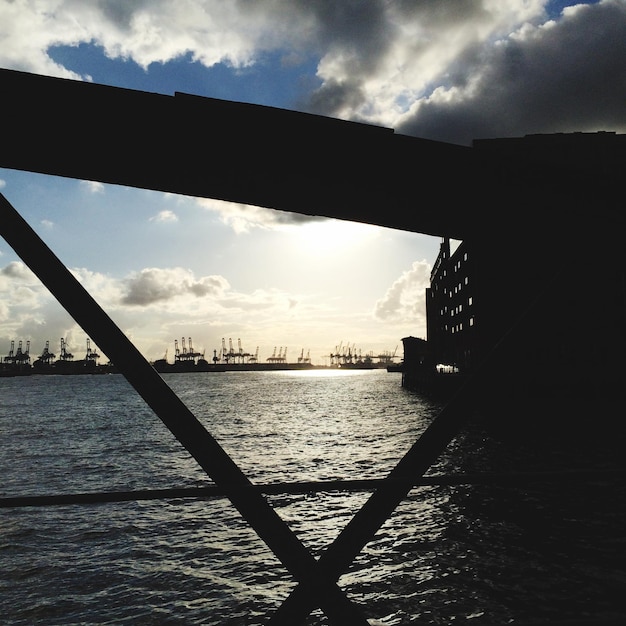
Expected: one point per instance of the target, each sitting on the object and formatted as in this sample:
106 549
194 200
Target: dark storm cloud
361 29
335 96
120 12
358 35
566 76
376 62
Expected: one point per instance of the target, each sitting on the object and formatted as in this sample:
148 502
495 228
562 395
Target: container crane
10 358
242 355
192 354
46 356
92 356
231 351
65 355
21 357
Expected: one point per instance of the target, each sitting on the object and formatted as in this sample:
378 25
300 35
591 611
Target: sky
167 267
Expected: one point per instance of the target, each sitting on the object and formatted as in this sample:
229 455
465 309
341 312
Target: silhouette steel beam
237 152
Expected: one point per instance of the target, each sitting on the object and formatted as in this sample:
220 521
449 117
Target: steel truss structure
323 167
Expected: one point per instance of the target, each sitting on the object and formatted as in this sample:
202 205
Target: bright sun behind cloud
328 238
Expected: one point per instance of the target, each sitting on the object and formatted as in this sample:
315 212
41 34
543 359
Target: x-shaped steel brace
175 415
317 579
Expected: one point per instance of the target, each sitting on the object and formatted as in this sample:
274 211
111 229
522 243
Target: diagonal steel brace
361 529
176 416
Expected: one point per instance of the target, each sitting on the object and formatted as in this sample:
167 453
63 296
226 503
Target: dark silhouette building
536 300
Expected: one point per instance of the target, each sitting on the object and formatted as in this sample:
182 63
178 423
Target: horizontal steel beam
514 479
245 153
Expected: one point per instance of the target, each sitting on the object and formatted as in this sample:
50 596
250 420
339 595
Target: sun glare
335 237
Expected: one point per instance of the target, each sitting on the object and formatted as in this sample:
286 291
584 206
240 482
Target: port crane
22 357
186 354
230 354
387 357
65 354
92 356
10 358
272 359
47 357
304 359
280 358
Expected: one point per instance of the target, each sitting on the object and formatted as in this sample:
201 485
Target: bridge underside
269 157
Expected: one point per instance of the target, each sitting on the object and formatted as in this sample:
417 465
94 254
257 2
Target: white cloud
156 285
243 218
3 183
16 271
165 216
92 186
404 301
145 32
103 288
378 62
452 70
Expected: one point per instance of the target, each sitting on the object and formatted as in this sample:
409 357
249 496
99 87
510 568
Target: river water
449 554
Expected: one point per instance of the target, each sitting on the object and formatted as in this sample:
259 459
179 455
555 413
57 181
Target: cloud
16 270
104 289
24 302
408 50
243 218
450 71
404 301
154 285
29 312
158 31
165 216
562 76
92 186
